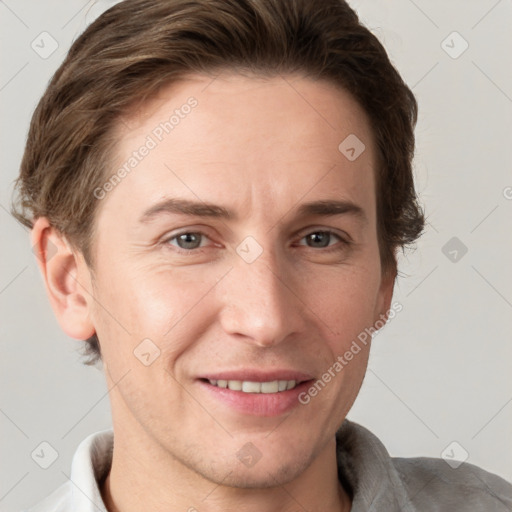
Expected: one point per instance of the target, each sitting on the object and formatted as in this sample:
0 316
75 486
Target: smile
274 386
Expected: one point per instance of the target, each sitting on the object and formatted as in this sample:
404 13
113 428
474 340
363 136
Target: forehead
232 137
255 103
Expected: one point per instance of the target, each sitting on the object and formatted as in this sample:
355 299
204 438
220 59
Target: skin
260 147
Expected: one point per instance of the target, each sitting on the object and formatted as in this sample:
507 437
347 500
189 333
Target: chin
263 475
263 478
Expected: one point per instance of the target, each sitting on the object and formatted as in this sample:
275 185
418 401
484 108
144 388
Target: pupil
320 238
189 240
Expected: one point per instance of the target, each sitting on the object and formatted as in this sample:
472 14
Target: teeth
235 385
274 386
251 387
282 385
270 387
290 384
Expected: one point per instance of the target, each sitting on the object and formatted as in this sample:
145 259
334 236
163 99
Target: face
239 250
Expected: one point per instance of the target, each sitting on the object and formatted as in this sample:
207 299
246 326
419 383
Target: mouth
256 393
248 386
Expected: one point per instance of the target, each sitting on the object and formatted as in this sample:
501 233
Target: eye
187 241
321 239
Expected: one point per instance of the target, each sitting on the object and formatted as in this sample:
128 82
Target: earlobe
66 278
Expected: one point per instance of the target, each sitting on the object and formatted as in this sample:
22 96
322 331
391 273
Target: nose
260 301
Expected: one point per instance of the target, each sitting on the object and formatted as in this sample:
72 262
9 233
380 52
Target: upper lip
257 375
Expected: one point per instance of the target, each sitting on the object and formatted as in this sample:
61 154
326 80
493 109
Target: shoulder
58 501
378 481
432 484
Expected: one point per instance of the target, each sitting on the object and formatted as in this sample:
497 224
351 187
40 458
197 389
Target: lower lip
257 404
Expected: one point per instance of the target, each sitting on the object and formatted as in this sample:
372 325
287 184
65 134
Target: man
217 192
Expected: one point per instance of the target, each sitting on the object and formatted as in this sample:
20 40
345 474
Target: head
253 110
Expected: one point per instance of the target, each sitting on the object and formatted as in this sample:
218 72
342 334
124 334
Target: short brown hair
139 46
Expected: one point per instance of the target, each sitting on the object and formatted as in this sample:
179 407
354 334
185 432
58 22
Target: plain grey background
439 380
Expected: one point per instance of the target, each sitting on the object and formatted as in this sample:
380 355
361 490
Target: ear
67 279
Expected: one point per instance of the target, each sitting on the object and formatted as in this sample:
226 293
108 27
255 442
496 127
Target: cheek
345 300
161 304
344 304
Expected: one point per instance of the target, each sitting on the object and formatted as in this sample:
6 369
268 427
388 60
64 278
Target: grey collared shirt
376 481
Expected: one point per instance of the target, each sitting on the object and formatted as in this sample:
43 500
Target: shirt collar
366 468
90 466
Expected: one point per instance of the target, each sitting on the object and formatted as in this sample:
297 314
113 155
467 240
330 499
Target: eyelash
328 249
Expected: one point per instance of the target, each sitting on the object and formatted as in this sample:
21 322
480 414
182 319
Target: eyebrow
324 208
